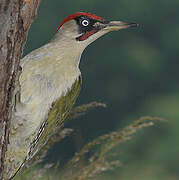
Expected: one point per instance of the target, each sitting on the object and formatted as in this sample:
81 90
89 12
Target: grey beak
117 25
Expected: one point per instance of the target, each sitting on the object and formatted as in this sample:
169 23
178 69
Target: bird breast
45 78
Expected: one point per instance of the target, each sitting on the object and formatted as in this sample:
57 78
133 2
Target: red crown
73 16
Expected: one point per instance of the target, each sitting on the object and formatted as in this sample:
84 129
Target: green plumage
56 117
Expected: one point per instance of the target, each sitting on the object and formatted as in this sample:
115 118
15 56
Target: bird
49 84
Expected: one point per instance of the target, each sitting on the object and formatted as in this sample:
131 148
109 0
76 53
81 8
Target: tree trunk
16 17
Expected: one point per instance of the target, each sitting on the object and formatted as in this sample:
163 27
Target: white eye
85 22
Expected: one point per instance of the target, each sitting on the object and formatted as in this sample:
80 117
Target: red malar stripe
86 35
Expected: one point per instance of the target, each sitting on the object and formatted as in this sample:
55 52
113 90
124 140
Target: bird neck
65 51
70 49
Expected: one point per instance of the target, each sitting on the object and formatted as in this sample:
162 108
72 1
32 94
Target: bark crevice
16 18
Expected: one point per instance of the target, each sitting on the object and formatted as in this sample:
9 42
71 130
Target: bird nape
49 85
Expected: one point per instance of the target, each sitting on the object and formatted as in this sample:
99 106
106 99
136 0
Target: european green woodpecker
49 85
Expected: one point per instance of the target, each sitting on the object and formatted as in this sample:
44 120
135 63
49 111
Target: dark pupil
85 22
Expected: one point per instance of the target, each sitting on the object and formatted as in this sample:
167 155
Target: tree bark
16 17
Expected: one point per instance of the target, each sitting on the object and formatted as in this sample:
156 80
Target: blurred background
135 72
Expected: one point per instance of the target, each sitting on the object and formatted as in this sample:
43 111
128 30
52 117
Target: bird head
82 28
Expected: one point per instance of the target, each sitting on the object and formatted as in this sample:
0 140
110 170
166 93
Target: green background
135 72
